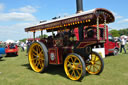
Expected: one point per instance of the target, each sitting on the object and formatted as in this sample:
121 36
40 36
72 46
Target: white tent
9 41
124 36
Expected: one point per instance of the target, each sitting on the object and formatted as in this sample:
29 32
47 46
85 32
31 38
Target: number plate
10 50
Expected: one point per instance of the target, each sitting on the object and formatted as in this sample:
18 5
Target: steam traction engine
72 45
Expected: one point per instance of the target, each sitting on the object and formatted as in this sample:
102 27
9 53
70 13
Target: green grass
16 71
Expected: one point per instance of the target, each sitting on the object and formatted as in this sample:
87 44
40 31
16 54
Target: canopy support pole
98 28
34 35
105 28
81 35
53 34
42 33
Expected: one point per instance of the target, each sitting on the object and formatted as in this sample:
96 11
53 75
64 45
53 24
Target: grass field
16 71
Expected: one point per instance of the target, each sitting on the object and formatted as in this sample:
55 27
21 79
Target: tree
115 33
23 40
123 32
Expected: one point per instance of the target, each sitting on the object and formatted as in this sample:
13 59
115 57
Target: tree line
118 33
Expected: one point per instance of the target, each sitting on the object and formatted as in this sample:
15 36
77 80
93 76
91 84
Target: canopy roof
87 18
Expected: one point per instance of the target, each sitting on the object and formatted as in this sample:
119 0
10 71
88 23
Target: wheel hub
37 56
73 66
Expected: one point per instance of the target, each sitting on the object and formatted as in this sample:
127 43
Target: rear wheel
95 64
38 57
74 67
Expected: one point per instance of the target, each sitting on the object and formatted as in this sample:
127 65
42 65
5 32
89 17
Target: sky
15 15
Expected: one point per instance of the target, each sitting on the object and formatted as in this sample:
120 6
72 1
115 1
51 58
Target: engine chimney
79 4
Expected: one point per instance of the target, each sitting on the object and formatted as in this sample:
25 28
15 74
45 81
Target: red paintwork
90 39
84 44
9 50
76 33
31 39
51 50
109 45
57 55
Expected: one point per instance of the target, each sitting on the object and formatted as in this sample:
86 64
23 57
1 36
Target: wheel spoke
98 64
36 47
33 59
86 68
38 63
41 53
41 64
69 65
70 69
91 57
39 49
95 67
77 64
90 68
79 67
97 60
74 60
78 72
34 51
34 54
42 59
72 73
69 62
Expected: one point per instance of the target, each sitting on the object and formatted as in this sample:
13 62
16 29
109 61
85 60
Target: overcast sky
15 15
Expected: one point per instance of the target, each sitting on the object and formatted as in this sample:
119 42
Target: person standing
28 45
123 42
22 46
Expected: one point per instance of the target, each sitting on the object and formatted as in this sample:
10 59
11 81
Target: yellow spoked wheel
95 64
38 57
74 67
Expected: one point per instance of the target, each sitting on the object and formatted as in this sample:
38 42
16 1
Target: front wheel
74 67
94 64
38 57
